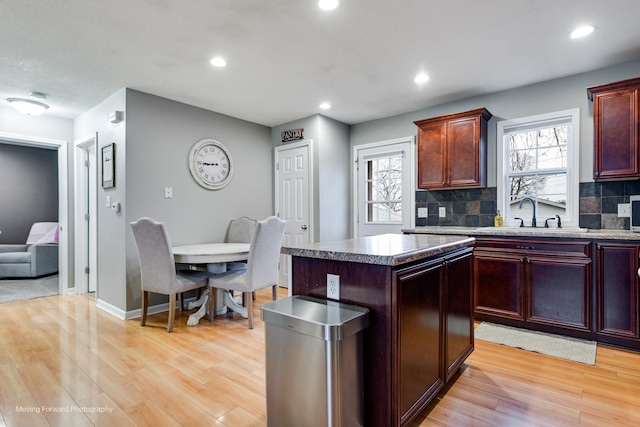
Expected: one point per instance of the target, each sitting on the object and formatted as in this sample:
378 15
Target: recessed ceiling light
325 106
328 4
27 106
585 30
421 78
218 62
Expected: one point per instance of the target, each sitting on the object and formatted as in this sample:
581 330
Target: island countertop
384 249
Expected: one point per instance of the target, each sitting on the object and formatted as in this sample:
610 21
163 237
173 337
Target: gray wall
152 146
111 227
554 95
28 189
330 173
546 97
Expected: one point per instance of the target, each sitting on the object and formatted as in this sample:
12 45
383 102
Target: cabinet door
559 291
463 153
616 151
617 290
498 285
458 312
431 155
419 357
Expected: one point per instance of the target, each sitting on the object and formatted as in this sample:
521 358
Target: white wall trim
111 309
81 238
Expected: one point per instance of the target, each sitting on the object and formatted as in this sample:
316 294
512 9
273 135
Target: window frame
572 118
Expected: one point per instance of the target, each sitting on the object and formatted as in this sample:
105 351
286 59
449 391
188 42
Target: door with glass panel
384 187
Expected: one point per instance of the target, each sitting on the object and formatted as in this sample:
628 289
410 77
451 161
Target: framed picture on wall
109 166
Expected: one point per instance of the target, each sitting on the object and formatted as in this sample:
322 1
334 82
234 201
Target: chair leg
274 292
249 308
181 300
172 312
145 305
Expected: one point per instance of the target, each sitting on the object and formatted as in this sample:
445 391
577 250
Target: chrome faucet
524 199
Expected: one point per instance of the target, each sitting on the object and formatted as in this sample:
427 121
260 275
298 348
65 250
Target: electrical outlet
442 212
168 192
423 212
333 286
624 210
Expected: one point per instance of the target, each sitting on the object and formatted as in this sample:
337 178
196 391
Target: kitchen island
418 289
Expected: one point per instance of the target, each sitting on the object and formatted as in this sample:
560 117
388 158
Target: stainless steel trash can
314 362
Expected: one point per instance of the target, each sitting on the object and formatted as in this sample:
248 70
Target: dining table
214 258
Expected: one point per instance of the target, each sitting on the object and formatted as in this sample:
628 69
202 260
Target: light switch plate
442 212
423 212
624 210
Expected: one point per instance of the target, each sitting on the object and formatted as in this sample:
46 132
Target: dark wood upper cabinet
452 150
616 115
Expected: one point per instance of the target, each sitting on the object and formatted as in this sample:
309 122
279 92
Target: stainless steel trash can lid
323 319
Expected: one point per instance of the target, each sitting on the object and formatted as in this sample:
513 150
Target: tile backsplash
477 207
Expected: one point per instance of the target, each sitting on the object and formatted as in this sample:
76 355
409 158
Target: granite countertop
582 233
384 249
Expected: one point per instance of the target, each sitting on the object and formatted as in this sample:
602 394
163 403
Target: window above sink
538 162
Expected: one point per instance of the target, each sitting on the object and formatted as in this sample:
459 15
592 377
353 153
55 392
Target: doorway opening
63 217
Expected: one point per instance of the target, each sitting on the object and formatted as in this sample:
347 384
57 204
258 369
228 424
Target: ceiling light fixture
27 106
325 106
218 62
583 31
328 4
421 78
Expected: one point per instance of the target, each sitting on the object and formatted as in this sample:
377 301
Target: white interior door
384 187
294 197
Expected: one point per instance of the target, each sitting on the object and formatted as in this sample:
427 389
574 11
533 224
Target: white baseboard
137 313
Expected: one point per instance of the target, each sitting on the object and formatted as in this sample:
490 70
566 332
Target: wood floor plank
62 351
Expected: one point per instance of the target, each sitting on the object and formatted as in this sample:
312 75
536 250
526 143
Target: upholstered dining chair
157 267
240 230
262 266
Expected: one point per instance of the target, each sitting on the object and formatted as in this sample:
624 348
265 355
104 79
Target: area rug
578 350
21 289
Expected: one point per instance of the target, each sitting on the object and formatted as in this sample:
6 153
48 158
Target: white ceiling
287 56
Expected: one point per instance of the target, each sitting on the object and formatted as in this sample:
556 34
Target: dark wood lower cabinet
534 282
617 292
420 326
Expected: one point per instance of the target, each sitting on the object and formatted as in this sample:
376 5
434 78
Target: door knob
304 227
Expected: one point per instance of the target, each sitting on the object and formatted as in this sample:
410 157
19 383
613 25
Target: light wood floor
60 353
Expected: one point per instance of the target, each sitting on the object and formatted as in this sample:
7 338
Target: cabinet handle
444 183
525 247
521 259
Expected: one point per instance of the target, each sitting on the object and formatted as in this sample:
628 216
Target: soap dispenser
497 220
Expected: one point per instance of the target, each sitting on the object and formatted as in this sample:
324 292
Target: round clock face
210 164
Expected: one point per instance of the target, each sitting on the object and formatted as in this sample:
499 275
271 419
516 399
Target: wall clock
210 164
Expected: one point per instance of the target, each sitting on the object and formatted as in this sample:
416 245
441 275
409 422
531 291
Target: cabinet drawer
579 248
